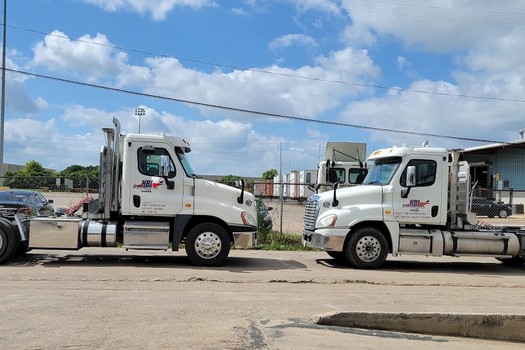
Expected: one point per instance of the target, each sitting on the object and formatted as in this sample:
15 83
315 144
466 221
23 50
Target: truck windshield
185 162
382 171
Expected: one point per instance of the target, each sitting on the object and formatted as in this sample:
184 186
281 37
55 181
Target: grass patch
276 241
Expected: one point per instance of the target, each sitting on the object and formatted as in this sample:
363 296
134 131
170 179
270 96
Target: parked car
32 202
263 214
486 207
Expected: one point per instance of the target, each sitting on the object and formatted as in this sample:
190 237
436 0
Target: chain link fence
287 203
67 194
282 203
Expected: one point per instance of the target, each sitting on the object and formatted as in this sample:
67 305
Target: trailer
149 199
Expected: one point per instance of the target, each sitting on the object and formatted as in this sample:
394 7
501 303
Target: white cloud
358 36
328 6
92 56
438 115
17 96
288 40
157 8
274 93
435 26
488 57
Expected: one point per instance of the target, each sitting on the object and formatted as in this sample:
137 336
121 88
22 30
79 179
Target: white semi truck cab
149 198
414 200
342 173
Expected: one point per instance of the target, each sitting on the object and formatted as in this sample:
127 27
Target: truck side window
308 178
340 172
425 172
150 163
356 175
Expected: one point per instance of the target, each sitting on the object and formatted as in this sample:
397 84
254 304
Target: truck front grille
310 213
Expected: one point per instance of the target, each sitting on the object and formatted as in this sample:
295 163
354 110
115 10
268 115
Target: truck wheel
339 257
207 244
503 214
9 240
366 248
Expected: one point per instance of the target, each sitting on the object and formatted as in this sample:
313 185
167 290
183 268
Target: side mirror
332 176
411 176
410 181
165 166
165 171
240 199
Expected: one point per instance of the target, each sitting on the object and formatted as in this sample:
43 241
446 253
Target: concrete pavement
109 298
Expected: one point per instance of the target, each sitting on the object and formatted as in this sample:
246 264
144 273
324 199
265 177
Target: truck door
420 202
151 194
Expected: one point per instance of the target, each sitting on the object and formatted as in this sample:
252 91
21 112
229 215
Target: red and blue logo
416 203
149 184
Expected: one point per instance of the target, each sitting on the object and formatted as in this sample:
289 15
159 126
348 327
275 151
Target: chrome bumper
245 240
325 239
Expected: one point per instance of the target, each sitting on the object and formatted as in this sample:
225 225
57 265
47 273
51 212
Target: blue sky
450 68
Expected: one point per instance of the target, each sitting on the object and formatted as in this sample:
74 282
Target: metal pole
281 194
140 112
2 112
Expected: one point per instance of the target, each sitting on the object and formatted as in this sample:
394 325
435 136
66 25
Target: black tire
503 214
516 261
366 248
208 244
339 257
9 240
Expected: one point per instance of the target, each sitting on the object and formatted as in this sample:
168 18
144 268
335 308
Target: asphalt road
109 298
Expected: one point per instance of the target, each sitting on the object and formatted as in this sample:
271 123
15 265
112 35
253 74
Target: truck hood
216 199
348 196
355 204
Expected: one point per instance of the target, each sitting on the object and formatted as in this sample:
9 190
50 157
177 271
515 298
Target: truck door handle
136 201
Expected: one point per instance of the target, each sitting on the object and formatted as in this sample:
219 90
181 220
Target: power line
287 75
249 111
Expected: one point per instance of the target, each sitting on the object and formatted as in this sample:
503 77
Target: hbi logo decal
147 185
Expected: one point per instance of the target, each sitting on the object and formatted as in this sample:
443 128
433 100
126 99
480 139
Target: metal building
498 171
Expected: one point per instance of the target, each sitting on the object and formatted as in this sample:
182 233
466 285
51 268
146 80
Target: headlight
327 221
248 219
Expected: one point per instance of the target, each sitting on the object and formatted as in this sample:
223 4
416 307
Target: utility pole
281 192
2 111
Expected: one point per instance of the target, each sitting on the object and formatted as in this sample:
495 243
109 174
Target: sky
259 84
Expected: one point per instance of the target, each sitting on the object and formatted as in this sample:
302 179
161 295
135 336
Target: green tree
269 174
80 171
33 176
34 168
229 179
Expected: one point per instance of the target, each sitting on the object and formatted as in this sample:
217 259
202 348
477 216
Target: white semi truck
414 200
149 198
343 173
343 165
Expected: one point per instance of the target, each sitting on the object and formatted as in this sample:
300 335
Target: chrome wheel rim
368 249
208 245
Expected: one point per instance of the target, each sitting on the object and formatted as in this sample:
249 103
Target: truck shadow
234 264
459 267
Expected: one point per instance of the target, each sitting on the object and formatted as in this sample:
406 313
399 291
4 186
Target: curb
497 327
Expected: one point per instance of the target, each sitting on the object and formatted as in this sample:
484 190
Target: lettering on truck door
149 191
422 205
